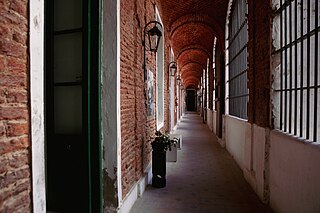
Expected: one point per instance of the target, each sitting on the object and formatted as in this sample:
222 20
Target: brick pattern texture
15 181
259 48
137 130
192 25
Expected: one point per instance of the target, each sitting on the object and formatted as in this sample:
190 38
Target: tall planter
158 166
160 145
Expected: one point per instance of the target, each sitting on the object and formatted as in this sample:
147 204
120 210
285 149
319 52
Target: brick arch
208 13
201 19
192 55
195 68
188 73
191 80
193 33
191 86
193 47
191 77
193 63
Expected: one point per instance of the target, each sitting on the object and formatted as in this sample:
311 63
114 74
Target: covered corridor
85 86
204 179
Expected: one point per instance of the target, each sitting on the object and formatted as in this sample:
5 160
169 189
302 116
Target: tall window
160 79
237 60
296 79
214 73
207 82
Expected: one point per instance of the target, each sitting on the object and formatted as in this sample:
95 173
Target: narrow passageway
204 179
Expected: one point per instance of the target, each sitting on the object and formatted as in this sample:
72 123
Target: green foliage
162 142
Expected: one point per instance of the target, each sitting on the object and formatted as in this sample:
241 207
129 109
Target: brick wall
166 127
15 181
259 63
137 129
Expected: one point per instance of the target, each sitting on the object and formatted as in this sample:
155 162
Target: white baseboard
136 191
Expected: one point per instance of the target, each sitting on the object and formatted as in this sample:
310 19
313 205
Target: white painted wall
136 191
294 174
37 105
110 100
237 138
246 143
214 123
258 164
210 119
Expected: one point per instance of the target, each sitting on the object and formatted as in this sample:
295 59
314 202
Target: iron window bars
238 64
297 79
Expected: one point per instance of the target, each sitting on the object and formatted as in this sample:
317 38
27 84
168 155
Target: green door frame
92 91
94 105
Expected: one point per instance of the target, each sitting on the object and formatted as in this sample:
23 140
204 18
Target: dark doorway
72 128
191 100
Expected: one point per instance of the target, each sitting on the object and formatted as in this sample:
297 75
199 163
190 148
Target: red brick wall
137 129
15 181
166 127
259 48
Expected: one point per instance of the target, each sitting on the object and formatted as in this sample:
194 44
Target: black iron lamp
154 36
178 78
172 68
182 86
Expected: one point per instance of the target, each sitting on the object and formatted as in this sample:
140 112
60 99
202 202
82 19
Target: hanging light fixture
154 36
172 68
178 78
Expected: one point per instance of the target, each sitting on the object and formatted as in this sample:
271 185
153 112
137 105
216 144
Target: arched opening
191 100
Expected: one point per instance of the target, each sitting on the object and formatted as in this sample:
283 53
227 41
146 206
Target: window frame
160 78
296 80
234 83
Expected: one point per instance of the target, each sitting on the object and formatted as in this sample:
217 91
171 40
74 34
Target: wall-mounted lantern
178 78
172 68
182 86
154 36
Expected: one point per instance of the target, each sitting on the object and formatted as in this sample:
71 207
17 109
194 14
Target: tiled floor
204 179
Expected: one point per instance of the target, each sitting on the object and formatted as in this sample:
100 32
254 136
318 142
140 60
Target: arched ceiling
192 26
194 68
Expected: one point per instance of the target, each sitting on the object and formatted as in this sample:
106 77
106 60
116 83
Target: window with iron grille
207 82
160 79
296 78
237 62
214 73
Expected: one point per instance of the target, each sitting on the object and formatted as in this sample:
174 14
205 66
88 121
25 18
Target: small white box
172 156
179 145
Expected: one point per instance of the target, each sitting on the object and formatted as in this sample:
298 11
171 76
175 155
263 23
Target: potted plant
160 145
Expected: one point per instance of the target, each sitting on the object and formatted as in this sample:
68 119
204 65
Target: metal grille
237 64
207 82
214 73
297 79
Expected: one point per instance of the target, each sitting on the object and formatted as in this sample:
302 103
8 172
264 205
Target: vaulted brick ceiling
192 25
